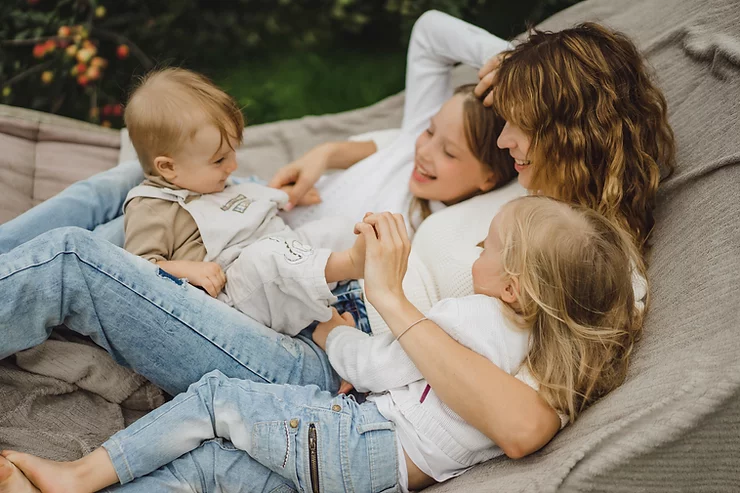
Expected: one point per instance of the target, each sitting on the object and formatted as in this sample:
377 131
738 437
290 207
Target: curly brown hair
597 121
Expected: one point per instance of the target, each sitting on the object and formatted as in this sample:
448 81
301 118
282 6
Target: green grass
291 84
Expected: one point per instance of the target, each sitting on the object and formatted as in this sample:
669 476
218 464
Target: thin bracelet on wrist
410 327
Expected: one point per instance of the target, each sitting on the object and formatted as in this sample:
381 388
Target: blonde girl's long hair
482 127
574 269
597 121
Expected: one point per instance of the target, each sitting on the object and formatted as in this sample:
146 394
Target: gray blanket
675 424
63 398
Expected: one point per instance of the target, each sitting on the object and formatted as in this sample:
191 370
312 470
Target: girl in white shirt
553 294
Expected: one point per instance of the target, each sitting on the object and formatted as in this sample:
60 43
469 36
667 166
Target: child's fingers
284 176
365 229
370 235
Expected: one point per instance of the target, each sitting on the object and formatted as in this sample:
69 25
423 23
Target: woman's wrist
397 311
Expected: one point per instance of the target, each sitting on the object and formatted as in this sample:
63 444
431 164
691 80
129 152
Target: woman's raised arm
508 411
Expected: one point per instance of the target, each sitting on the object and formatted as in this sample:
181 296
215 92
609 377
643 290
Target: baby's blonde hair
574 269
168 106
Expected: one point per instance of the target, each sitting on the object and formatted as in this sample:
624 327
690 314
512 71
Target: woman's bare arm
505 409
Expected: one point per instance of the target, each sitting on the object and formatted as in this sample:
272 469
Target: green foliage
278 86
78 57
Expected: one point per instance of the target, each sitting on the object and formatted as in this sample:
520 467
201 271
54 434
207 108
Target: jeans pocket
273 444
380 438
284 488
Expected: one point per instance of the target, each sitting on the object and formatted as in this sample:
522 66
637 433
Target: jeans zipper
313 458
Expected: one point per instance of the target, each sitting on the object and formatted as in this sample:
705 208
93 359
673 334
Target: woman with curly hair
585 124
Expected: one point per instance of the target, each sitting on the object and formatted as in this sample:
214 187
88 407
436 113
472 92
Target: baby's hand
357 254
207 275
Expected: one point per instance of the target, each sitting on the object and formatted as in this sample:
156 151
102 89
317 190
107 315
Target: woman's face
517 142
445 169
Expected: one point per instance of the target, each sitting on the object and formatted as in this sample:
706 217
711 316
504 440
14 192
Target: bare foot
12 479
48 476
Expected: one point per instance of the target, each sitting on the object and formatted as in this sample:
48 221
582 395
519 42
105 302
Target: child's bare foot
12 479
47 476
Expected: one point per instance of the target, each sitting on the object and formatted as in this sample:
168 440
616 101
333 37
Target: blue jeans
92 204
350 298
162 327
304 439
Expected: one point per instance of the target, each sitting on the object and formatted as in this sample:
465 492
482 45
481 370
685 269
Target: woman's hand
323 329
386 258
302 174
485 75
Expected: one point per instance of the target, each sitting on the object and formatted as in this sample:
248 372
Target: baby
191 220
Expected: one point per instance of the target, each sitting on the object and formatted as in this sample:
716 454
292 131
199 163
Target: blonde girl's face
445 168
517 142
489 276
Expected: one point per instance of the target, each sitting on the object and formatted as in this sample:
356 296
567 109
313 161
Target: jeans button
293 423
336 408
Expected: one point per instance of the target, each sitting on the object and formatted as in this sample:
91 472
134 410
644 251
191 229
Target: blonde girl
553 293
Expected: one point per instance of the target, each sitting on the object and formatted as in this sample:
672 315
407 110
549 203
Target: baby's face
204 163
489 277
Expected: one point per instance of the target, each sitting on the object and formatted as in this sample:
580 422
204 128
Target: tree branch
121 39
26 42
27 73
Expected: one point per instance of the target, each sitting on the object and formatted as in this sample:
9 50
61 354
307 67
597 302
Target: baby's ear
165 167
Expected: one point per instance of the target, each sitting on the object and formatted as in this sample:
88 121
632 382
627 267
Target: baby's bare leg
87 475
346 265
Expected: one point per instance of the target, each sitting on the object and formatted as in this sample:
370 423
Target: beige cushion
43 154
